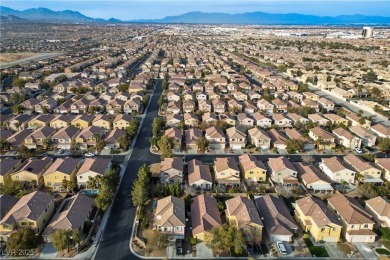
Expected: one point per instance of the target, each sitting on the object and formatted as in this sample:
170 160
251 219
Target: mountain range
44 14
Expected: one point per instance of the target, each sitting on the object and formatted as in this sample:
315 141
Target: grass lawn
318 251
382 251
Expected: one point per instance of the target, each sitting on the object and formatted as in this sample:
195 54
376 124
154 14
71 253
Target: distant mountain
268 19
11 18
44 14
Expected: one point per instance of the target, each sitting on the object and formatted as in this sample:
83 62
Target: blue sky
136 9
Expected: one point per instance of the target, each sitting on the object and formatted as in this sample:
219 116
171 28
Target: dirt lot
8 57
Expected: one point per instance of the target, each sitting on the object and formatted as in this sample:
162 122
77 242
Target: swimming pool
90 192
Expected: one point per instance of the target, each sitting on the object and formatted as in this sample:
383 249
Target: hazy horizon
131 10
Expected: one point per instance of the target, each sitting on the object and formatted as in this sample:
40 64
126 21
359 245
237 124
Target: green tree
375 92
224 238
157 125
24 152
367 190
20 241
65 239
18 82
202 143
362 121
293 145
165 144
4 145
370 76
124 142
132 128
17 109
140 191
107 189
384 144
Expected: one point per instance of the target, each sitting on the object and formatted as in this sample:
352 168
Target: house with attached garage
314 181
31 170
61 169
190 137
379 208
384 164
199 175
236 138
283 171
325 139
357 223
262 121
381 130
252 170
368 138
317 119
169 216
176 134
65 136
171 170
259 138
278 223
91 168
316 219
216 137
346 139
365 170
278 139
337 171
227 172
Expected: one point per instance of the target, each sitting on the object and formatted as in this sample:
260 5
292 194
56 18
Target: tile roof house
6 203
226 171
357 222
216 137
61 121
326 139
177 135
252 170
368 172
64 137
17 139
384 164
32 210
190 137
278 139
171 170
37 138
283 171
279 225
262 121
368 138
381 130
337 171
204 215
236 138
170 216
242 213
379 208
61 169
112 137
313 179
8 165
199 175
85 139
31 170
91 168
71 214
315 218
122 121
259 138
346 139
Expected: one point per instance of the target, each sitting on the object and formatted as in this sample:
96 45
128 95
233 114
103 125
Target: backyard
318 251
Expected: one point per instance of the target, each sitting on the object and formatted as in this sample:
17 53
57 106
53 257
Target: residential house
33 210
61 169
170 216
311 95
218 106
281 121
199 175
132 106
379 208
245 121
226 172
103 121
82 121
8 165
216 137
283 171
19 122
45 106
64 108
115 106
368 138
40 121
31 170
336 119
61 121
358 120
384 164
204 105
173 107
87 137
262 121
122 121
278 140
176 134
252 170
357 222
241 212
296 135
277 220
38 137
337 171
171 170
315 218
236 138
91 168
280 105
72 214
265 106
17 139
173 119
313 179
322 138
190 137
65 136
381 130
318 119
366 172
346 139
190 119
204 216
188 106
80 106
259 138
112 139
6 203
326 104
307 102
297 119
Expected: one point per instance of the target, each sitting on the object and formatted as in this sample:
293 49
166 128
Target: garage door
275 238
330 239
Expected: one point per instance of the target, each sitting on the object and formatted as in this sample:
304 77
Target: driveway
365 251
289 249
334 251
48 252
202 251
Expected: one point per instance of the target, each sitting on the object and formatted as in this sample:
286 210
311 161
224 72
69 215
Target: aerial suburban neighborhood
185 140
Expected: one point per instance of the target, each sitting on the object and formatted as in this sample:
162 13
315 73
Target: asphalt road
116 237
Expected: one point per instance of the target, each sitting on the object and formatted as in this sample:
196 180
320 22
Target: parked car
179 246
386 151
89 155
258 250
61 151
250 249
281 248
358 150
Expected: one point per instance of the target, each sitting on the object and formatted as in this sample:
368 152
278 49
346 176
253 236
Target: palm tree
318 143
64 184
46 142
98 180
91 183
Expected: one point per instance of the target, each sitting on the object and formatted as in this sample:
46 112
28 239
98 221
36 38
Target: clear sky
136 9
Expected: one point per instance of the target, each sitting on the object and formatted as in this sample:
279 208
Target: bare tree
286 192
189 190
308 159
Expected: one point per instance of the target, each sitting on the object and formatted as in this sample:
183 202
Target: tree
107 189
308 159
124 142
318 143
202 143
65 239
4 145
293 145
18 82
165 144
362 121
140 190
24 152
157 125
360 112
17 109
252 235
285 192
367 190
159 239
384 144
20 241
370 76
225 237
132 128
47 142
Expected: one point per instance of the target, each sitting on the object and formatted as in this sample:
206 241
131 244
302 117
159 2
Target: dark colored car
258 250
250 249
386 151
179 246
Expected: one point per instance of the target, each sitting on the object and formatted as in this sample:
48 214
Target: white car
89 155
358 150
281 248
61 151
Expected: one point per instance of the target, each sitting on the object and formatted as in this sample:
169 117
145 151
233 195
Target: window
251 172
222 173
366 226
80 177
352 226
322 229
